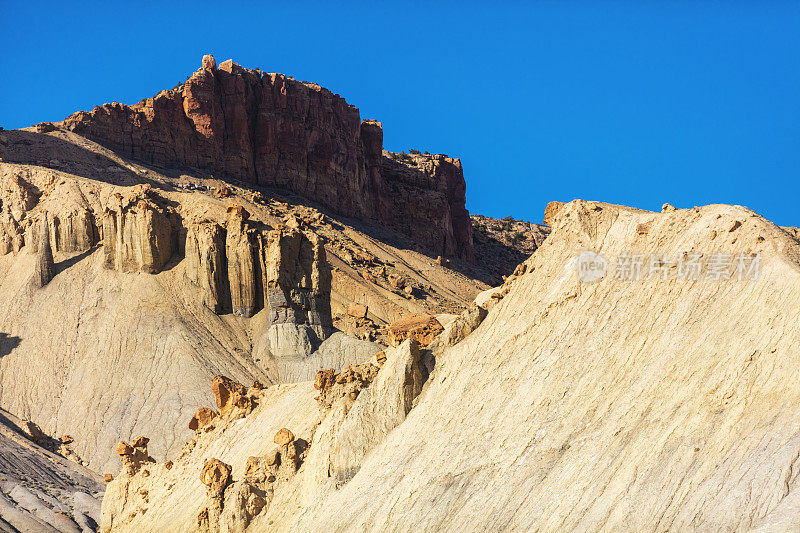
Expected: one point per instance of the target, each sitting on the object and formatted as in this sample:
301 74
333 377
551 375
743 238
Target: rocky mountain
269 129
651 403
233 307
130 280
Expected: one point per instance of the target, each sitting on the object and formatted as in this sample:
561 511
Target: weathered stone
33 432
45 267
202 418
283 437
138 234
241 268
551 211
226 392
272 130
206 264
123 448
421 327
216 476
324 378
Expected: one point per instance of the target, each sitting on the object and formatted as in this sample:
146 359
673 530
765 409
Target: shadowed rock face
45 267
245 267
138 234
269 129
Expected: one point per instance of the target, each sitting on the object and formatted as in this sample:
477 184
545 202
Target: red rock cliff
269 129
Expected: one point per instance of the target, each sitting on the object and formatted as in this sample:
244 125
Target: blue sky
636 103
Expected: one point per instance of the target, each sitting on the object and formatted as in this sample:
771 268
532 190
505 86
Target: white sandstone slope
104 352
620 405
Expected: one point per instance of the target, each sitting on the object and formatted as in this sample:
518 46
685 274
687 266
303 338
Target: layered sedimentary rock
45 266
138 234
206 263
246 266
272 130
241 264
431 192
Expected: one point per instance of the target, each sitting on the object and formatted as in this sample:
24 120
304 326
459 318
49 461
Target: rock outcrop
551 210
269 129
45 266
138 233
206 264
421 327
245 267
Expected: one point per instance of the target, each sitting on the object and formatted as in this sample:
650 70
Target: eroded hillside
633 402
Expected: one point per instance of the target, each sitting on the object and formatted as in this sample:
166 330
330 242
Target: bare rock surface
138 319
581 420
269 129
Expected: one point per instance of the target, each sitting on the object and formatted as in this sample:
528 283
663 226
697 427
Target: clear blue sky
637 103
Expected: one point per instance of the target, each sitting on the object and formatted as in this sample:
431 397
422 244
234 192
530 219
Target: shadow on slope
8 343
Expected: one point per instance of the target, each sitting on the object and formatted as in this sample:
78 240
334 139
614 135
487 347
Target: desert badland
228 308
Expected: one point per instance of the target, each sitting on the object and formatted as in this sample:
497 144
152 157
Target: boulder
551 211
216 476
283 437
421 327
202 418
226 393
123 448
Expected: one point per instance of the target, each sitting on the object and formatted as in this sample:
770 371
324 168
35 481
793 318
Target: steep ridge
270 129
158 281
660 403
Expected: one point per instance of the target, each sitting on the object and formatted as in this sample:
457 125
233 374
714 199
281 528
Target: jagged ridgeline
243 224
269 129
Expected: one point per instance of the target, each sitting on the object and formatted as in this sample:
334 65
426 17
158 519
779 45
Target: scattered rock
283 437
226 393
666 208
33 432
357 310
421 327
202 418
123 448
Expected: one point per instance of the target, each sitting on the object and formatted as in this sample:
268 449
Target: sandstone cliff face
269 129
429 193
246 266
138 234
